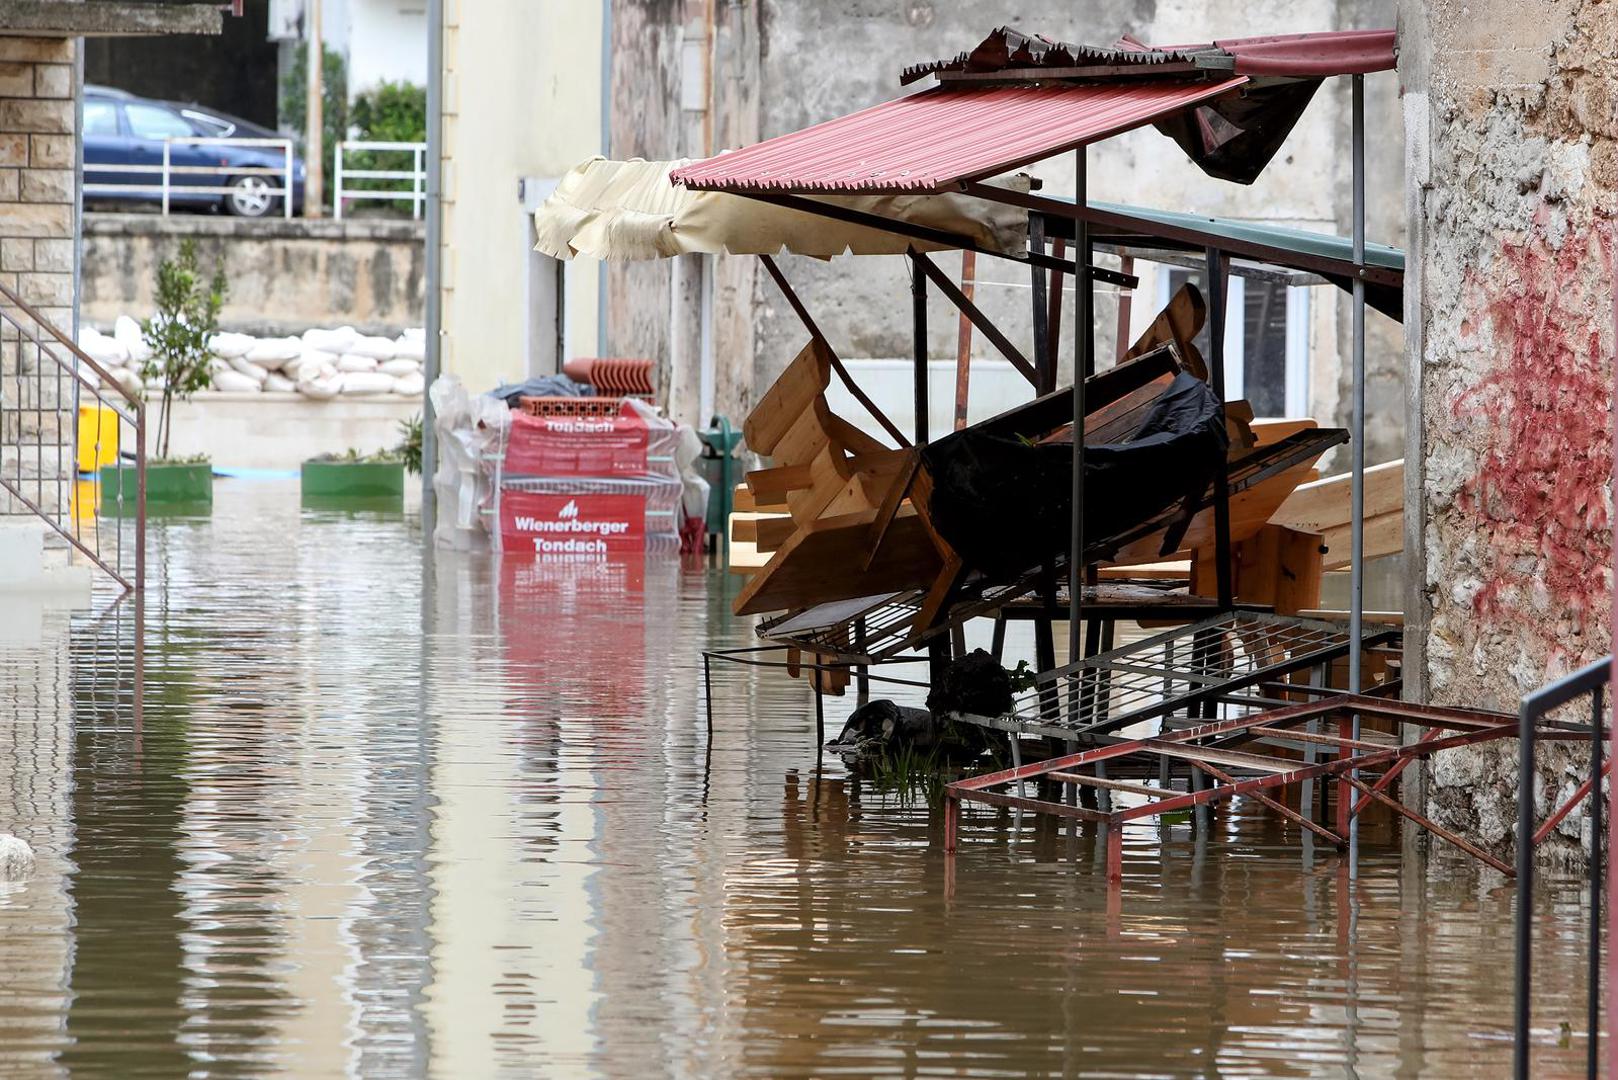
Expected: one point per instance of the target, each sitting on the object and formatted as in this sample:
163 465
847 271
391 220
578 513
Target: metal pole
1042 345
1525 881
1593 974
1083 364
140 560
314 187
1218 316
337 192
918 296
434 310
166 144
286 179
1612 751
1356 587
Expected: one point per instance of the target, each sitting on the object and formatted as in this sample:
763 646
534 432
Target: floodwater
466 820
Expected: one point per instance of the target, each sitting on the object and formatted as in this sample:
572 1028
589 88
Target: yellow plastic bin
98 437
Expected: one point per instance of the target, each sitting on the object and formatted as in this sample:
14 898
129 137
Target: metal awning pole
1356 585
1612 705
1083 365
918 296
1218 277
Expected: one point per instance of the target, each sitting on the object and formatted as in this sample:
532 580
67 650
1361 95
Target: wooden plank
826 560
1179 321
742 498
1324 505
771 532
806 437
1384 535
1266 432
769 487
804 379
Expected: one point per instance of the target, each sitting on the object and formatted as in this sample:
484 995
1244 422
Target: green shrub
388 112
334 108
187 315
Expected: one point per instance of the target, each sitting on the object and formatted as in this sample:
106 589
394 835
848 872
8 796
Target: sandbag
397 368
377 348
279 383
271 353
104 350
357 362
235 382
322 388
367 382
129 334
332 341
410 348
243 366
224 344
410 385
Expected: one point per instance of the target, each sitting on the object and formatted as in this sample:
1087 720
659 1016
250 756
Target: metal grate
1219 659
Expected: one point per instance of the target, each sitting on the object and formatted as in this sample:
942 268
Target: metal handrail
416 175
1590 680
167 170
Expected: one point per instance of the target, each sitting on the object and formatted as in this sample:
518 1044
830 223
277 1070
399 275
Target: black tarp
1004 501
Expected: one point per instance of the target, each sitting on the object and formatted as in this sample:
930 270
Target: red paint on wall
1537 499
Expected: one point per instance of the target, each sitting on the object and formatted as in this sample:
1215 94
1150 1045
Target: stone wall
1513 133
284 275
37 154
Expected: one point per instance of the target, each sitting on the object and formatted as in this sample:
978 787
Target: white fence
167 171
416 176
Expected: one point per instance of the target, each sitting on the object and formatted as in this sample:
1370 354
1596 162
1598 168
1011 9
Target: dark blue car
122 130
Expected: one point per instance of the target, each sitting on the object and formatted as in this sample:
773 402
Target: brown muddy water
463 820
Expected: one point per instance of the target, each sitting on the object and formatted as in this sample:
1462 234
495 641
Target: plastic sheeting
1004 503
631 210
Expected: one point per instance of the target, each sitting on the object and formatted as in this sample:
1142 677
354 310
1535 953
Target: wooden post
963 341
314 128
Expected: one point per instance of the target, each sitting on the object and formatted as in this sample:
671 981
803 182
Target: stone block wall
1512 129
38 117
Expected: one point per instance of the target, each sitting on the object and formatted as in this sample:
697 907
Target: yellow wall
522 98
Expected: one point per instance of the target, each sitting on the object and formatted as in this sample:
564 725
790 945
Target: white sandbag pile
319 364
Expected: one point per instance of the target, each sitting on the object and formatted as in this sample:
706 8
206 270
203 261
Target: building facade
693 77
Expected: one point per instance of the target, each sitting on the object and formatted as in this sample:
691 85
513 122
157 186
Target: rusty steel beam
836 362
1566 808
1433 827
1285 811
965 306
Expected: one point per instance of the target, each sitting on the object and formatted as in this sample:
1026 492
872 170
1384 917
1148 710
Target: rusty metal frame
1219 771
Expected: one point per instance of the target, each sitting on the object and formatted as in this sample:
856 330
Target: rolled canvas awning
631 210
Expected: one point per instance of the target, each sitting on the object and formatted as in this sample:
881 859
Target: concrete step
28 565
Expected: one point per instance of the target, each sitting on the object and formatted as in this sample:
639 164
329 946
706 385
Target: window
100 118
151 122
1268 329
211 126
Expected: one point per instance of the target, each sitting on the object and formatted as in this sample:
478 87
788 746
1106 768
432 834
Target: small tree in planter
187 316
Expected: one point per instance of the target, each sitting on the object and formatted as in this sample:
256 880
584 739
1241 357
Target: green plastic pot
190 484
353 479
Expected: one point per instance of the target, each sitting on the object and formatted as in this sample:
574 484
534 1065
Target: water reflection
465 820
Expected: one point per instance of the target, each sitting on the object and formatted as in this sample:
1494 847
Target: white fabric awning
631 210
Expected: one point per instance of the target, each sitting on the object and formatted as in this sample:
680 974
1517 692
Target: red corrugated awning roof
934 140
1313 55
1344 52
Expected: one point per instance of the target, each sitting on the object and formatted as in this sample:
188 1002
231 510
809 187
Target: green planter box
353 479
190 484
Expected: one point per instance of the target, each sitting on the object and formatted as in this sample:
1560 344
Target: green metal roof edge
1301 241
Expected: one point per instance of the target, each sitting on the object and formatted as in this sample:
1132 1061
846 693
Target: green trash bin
721 469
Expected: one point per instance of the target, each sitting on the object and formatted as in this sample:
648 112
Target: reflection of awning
631 210
935 140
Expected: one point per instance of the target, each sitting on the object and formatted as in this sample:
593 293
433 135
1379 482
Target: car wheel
250 196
